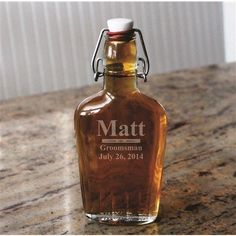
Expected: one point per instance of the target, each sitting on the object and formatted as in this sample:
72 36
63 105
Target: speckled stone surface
39 176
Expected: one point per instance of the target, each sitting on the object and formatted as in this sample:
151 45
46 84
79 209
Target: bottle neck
120 63
120 85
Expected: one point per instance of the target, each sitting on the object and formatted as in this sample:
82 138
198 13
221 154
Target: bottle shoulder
93 102
133 103
150 109
151 104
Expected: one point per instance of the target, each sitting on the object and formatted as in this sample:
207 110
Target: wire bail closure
141 61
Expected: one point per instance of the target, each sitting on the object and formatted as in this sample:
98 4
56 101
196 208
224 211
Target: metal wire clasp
97 73
141 61
145 63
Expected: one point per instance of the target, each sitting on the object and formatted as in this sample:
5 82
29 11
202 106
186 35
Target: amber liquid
120 182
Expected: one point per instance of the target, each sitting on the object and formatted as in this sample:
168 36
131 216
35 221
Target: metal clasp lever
145 63
97 73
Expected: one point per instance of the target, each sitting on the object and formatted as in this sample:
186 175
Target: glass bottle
120 135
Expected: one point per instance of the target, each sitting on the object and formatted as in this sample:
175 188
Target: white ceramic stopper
119 24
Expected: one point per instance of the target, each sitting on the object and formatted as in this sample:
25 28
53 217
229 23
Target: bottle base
115 219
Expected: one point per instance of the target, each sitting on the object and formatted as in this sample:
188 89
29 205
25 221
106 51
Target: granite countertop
39 176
